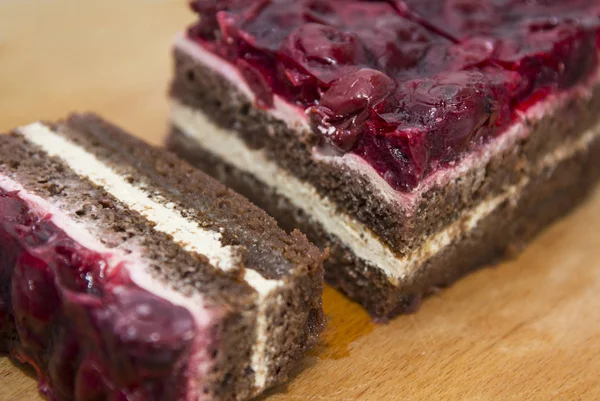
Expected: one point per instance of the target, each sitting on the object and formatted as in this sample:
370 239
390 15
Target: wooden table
527 329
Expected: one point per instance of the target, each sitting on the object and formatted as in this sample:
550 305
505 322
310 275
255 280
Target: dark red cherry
80 270
396 44
322 50
251 24
391 157
357 91
34 295
410 142
143 334
456 106
344 107
327 45
472 53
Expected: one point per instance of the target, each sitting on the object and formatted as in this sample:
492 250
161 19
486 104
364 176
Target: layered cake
417 139
127 274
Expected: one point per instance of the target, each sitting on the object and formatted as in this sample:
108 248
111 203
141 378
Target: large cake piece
127 274
417 139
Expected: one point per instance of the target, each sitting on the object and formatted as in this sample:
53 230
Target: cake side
240 224
241 344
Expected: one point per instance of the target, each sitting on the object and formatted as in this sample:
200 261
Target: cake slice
127 274
417 139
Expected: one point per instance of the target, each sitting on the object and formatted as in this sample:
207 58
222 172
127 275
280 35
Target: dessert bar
127 274
417 139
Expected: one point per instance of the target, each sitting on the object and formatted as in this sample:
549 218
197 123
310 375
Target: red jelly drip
90 334
411 86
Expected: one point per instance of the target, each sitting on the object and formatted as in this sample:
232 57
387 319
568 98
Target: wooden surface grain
526 329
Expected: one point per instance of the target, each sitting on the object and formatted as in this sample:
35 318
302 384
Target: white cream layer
357 237
138 271
187 233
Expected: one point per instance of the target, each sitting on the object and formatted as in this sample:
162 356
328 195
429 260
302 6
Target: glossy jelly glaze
90 333
410 86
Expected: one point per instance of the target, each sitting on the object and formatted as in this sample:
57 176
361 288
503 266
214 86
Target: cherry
322 50
344 107
357 91
80 270
387 151
471 53
397 45
144 335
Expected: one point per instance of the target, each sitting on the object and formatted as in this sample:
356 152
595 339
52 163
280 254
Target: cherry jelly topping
90 333
411 86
